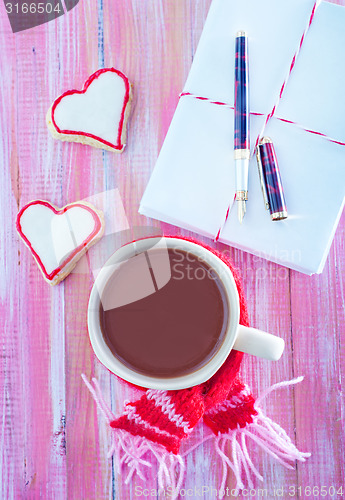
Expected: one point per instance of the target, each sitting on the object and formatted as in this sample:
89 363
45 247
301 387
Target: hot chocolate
164 313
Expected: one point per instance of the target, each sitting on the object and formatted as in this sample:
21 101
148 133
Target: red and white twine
253 113
274 109
292 65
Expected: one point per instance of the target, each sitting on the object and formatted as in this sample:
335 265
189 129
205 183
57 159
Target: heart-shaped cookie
57 238
96 115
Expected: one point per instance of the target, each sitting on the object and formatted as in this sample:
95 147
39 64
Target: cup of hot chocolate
164 314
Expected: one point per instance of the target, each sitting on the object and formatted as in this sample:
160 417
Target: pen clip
262 179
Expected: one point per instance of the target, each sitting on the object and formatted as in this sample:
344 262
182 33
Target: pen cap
270 179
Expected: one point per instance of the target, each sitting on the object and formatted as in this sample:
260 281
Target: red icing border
98 226
88 82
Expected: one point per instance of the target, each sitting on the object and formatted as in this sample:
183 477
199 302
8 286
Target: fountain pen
241 124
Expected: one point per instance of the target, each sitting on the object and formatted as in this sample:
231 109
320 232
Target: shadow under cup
164 313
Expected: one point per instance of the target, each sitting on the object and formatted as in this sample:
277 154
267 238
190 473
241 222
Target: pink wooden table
53 444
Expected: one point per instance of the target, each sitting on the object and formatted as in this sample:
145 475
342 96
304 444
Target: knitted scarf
159 421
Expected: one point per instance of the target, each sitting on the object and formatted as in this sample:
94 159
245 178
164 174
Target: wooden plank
318 326
88 469
35 374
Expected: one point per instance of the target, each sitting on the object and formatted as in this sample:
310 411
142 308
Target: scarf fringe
267 434
129 450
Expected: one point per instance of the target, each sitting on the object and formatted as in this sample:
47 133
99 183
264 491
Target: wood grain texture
53 442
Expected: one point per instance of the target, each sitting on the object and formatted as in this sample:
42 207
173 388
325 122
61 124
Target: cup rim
113 364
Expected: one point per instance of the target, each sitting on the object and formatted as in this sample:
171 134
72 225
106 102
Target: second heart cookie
58 237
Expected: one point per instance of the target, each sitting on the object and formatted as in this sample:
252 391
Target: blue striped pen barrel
270 179
241 132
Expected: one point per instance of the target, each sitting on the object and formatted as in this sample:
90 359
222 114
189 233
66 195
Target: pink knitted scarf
157 423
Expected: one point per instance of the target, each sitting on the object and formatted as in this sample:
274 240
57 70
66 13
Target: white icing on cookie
98 111
58 238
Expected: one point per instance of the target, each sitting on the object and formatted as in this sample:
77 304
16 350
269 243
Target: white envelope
193 182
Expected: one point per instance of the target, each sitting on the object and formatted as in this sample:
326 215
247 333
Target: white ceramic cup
241 338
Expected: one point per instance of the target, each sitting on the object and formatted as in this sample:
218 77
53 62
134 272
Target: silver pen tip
241 210
241 33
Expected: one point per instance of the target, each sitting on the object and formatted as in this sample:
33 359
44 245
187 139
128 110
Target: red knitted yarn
236 411
163 417
160 420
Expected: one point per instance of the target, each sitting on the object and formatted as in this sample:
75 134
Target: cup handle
259 343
